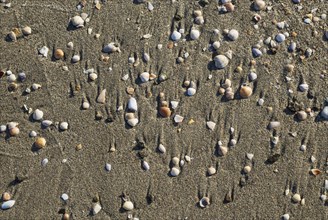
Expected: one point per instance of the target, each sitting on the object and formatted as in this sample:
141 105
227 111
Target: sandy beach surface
258 171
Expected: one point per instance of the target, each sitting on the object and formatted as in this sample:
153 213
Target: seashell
221 61
7 204
129 115
199 20
76 58
229 94
280 38
77 21
191 91
44 51
132 104
228 54
37 115
223 150
161 148
198 13
96 208
12 36
216 45
249 156
6 196
227 84
175 172
63 126
274 125
301 115
145 165
40 142
11 125
165 112
194 34
247 169
14 131
46 123
252 76
256 52
3 128
178 118
150 6
204 202
27 30
132 122
285 217
128 206
102 97
229 6
259 5
33 134
210 125
324 113
292 47
70 45
233 142
93 76
233 34
323 197
108 167
245 91
44 162
303 147
303 87
36 86
175 161
296 198
146 57
11 78
211 171
174 104
221 91
85 105
315 172
22 76
59 54
175 36
144 77
64 197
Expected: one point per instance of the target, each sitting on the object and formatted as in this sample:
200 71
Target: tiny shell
3 128
76 58
233 34
8 204
285 217
259 5
221 61
132 104
211 171
133 122
93 76
77 21
223 150
59 54
44 162
144 77
194 34
128 205
14 131
165 112
40 142
256 52
63 126
12 36
174 172
110 48
205 201
247 169
216 45
175 161
303 87
146 57
64 197
199 20
191 91
102 97
210 125
174 104
175 36
301 115
178 118
27 30
96 208
274 125
161 148
85 105
6 196
108 167
252 76
44 51
296 198
249 156
46 123
245 91
315 172
145 165
229 6
37 115
280 38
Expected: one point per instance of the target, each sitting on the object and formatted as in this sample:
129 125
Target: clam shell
37 115
175 36
178 118
145 165
165 112
59 54
221 61
46 123
205 201
8 204
109 48
12 36
144 77
128 205
324 113
194 34
63 126
76 58
96 208
315 172
133 122
174 171
274 124
233 34
210 125
40 142
77 21
161 148
245 91
223 150
191 91
216 45
132 104
27 30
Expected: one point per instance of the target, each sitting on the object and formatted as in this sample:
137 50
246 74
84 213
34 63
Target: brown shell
14 131
245 91
59 54
6 196
315 172
165 112
40 142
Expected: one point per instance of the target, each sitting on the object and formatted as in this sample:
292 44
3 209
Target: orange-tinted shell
59 54
245 91
165 112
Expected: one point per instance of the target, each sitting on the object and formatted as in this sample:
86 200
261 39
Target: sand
155 194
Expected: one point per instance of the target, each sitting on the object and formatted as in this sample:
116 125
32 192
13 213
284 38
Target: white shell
96 208
132 104
174 104
11 125
211 125
102 97
77 21
303 147
109 48
37 115
324 112
216 45
76 58
326 184
11 78
93 76
211 171
205 201
303 87
36 86
146 57
63 126
150 6
323 197
194 34
191 91
174 172
145 165
144 77
27 30
175 161
223 150
33 134
85 105
175 36
133 122
296 198
285 217
64 197
249 156
70 45
280 38
233 34
187 158
12 36
108 167
7 204
128 205
46 123
252 76
161 148
178 118
3 128
274 124
44 51
260 101
44 162
221 61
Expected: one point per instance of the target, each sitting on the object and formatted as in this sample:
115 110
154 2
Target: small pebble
211 171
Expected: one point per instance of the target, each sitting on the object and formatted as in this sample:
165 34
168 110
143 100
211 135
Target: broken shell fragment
205 201
315 172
